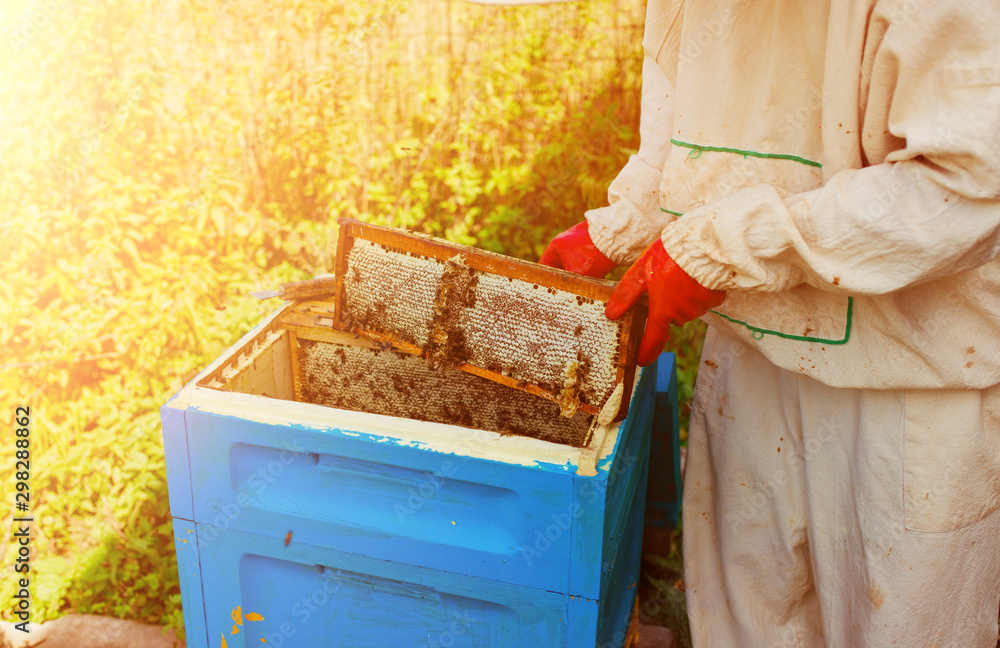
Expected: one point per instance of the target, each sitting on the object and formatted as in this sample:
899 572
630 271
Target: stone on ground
88 631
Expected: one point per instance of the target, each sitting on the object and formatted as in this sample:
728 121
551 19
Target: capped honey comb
520 324
364 379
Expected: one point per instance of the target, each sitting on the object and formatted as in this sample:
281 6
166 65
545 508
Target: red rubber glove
573 250
674 298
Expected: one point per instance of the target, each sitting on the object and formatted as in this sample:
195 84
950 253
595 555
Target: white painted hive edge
182 398
605 437
439 437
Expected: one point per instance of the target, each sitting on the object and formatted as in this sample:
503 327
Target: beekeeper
821 182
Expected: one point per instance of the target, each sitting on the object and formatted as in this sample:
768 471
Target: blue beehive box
305 524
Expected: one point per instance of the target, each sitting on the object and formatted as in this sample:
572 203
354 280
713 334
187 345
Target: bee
384 346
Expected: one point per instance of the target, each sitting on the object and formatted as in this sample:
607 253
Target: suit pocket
951 458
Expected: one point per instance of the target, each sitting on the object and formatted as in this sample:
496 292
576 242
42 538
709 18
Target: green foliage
162 159
662 592
686 342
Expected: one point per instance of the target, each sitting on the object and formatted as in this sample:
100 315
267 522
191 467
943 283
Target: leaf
218 216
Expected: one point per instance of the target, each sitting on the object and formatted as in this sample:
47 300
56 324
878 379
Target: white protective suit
835 166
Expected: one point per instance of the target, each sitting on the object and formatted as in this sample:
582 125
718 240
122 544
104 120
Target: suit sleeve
632 220
930 209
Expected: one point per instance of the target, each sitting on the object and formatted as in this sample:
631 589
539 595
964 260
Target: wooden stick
308 289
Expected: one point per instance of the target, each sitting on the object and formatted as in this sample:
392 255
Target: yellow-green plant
161 158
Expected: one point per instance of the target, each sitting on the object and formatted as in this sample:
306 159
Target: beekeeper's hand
674 298
573 250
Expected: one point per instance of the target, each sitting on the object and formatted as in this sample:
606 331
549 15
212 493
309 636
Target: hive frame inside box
546 536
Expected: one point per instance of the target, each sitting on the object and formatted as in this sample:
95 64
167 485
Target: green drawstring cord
697 149
758 333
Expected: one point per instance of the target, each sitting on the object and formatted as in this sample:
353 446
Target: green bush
162 159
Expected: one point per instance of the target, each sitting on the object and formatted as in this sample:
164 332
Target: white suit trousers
822 517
